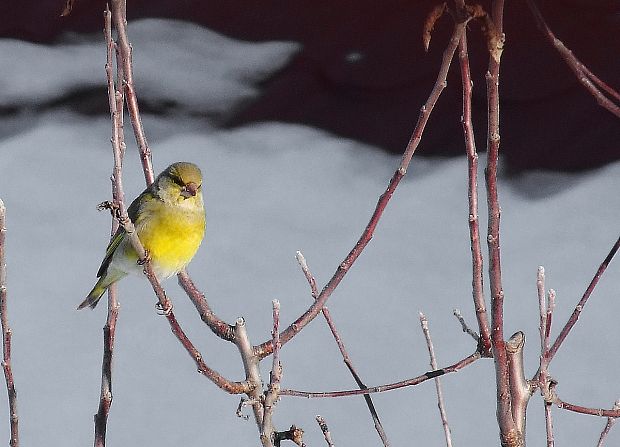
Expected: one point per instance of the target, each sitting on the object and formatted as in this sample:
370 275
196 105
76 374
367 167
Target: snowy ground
272 189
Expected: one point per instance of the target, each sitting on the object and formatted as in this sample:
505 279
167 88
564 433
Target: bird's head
181 183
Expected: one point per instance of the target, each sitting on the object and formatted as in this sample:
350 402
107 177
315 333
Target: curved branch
589 80
582 302
390 386
219 327
266 347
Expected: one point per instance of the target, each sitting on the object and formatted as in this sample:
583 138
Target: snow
223 74
272 189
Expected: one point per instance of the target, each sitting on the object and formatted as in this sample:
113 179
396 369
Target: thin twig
608 426
433 362
266 347
325 429
600 412
345 355
473 334
582 302
6 335
472 194
545 309
115 101
390 386
592 83
542 308
120 23
273 391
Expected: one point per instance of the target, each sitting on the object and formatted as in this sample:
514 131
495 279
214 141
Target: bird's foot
161 310
147 258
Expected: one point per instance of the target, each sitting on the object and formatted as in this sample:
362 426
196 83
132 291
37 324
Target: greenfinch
169 218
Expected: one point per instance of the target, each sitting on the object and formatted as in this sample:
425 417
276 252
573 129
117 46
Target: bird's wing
112 246
133 212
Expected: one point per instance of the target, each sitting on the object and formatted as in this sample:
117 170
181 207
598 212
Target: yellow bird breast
172 238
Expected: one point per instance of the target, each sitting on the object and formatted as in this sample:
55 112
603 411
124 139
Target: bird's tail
94 296
109 277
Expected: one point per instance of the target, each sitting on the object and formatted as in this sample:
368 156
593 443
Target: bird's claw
147 258
161 310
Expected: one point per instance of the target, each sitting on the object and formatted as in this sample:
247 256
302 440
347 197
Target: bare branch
473 334
325 430
252 373
582 302
115 101
549 424
472 189
388 387
542 307
545 383
588 79
433 362
273 391
520 390
600 412
608 426
166 308
345 355
266 348
120 23
509 433
219 327
6 336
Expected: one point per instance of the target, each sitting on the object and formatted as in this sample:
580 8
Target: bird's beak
189 190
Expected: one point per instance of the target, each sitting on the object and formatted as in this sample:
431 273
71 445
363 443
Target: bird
170 222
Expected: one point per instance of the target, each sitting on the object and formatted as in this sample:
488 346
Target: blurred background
361 71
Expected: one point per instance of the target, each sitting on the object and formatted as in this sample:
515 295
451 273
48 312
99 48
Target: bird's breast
172 238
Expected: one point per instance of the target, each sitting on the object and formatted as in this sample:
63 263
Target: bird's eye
189 190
